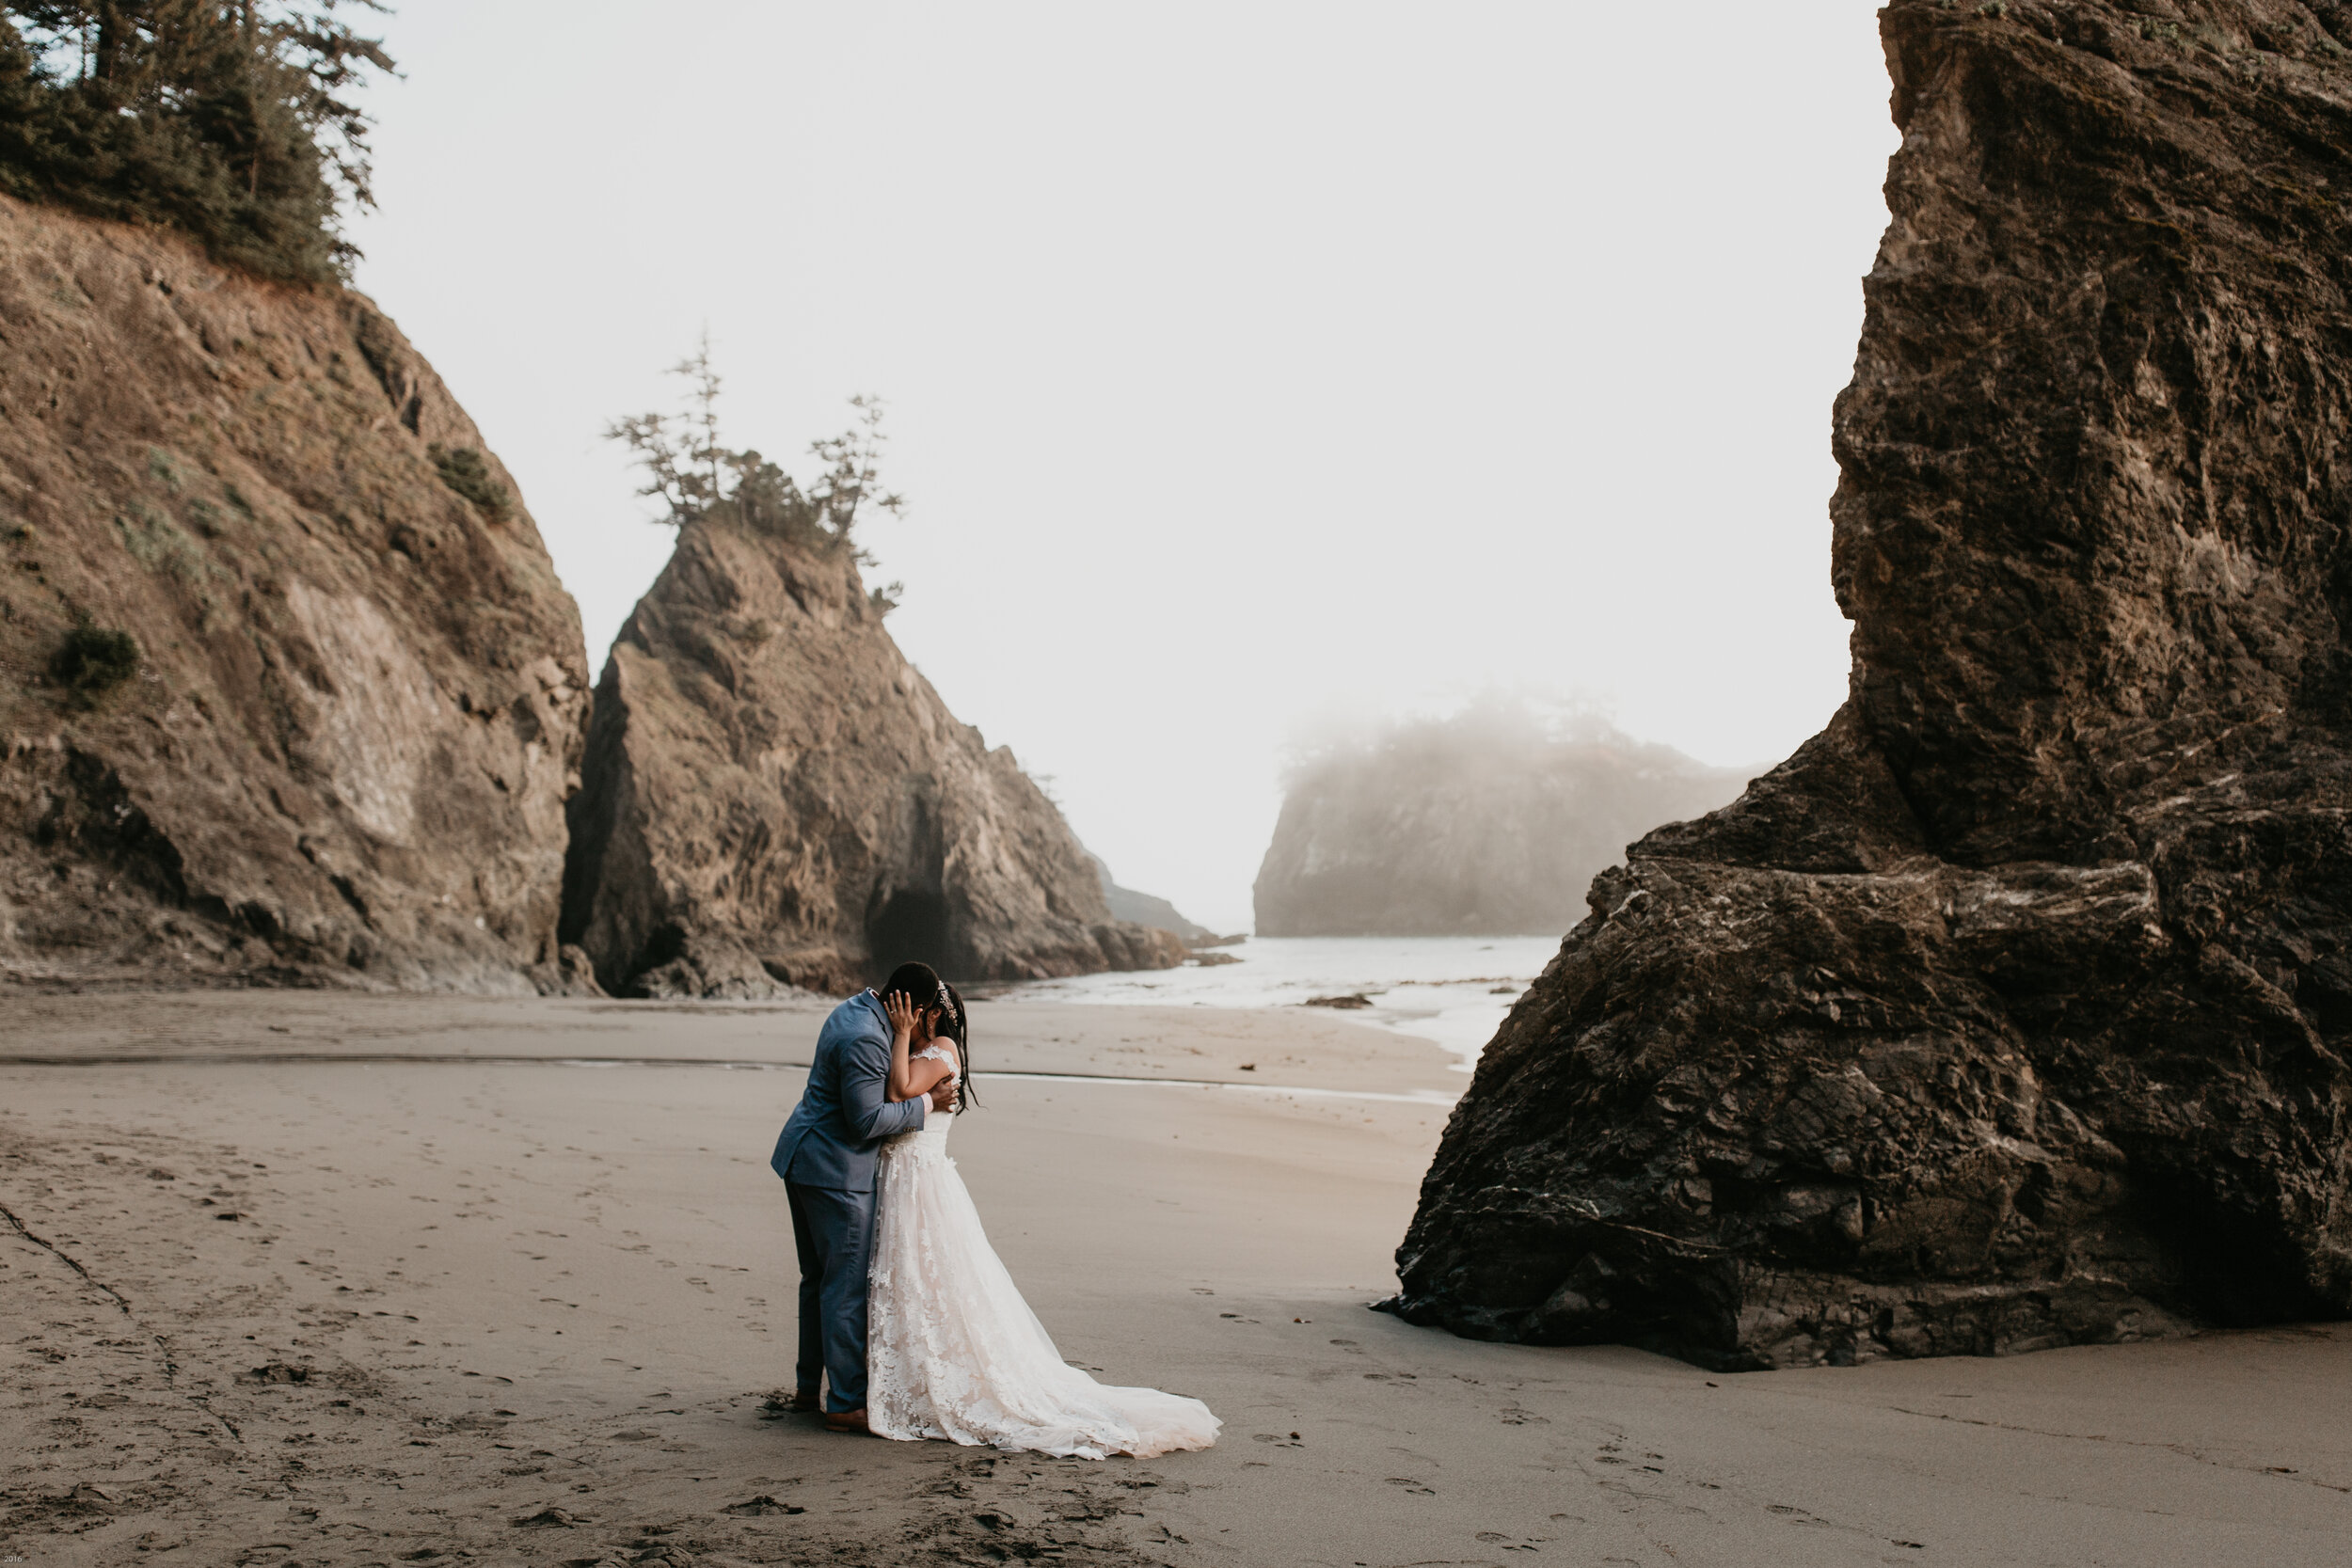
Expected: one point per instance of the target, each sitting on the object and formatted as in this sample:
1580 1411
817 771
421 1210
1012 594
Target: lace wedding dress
953 1350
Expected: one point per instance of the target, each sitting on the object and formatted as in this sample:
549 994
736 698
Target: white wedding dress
953 1350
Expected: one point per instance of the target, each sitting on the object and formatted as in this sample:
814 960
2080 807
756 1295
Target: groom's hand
944 1096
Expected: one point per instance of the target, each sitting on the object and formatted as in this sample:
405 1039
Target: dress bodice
932 1134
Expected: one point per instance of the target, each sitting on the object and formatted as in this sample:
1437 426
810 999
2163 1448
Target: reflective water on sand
1452 991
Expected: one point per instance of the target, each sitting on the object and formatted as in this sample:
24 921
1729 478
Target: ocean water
1452 991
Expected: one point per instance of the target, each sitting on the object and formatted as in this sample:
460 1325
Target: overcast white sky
1248 363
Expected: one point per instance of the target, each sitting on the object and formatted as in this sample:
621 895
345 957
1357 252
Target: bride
952 1349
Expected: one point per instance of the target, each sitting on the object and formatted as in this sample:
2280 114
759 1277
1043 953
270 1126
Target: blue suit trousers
833 1231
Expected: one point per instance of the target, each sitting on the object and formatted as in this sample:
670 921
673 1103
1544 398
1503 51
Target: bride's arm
921 1079
900 1008
909 1079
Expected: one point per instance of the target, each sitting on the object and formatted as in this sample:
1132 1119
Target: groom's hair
919 981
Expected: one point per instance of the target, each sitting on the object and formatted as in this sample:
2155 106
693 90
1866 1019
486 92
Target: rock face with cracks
336 743
774 796
2011 1011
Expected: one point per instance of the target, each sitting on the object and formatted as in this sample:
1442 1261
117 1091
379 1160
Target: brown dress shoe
847 1420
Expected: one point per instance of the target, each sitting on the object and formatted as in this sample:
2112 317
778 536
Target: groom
826 1158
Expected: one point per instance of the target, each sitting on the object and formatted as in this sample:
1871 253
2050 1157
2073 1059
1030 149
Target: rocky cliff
335 743
774 797
1148 909
2013 1009
1488 824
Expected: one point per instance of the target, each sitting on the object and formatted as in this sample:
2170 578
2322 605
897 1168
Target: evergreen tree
229 119
695 474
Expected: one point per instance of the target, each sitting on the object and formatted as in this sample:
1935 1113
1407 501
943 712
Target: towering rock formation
336 744
774 796
1487 824
2013 1009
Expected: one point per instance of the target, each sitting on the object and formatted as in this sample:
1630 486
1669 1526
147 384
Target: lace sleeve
937 1053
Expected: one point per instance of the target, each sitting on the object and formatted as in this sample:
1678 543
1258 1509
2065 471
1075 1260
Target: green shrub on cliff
464 471
93 660
696 475
229 118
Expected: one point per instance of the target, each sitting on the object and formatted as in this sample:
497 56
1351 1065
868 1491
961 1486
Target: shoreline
1452 991
1290 1048
286 1058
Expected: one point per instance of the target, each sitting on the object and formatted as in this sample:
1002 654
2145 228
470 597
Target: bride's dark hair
957 1026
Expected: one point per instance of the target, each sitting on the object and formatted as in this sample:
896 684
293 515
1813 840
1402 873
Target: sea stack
291 691
775 798
2011 1011
1490 823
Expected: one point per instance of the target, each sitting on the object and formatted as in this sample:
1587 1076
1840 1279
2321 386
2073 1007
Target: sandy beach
316 1278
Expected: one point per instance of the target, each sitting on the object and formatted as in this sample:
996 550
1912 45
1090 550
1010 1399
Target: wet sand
510 1281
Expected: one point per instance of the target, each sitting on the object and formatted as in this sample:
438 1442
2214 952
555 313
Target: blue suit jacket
845 1110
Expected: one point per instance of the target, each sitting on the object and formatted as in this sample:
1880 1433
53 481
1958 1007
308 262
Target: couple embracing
906 1312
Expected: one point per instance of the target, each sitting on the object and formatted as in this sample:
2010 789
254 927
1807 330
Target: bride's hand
900 1007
